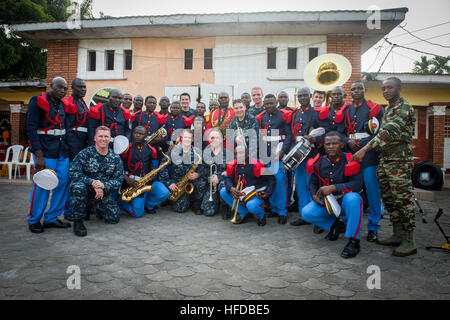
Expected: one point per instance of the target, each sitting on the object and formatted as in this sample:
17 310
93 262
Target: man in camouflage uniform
96 174
395 167
183 158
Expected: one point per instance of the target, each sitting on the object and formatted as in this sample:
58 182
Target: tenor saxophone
184 186
132 192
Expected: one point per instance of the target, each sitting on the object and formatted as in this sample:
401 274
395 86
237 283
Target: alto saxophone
132 192
183 185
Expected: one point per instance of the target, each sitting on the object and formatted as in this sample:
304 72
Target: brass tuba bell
327 71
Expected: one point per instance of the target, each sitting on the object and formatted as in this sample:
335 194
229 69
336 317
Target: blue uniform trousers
279 199
373 197
148 200
302 186
352 215
60 195
254 206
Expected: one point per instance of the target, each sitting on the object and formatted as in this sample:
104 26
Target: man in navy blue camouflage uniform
96 175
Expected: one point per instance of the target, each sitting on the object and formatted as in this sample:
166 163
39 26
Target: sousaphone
327 71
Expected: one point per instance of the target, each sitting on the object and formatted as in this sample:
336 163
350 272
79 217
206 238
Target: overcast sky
422 14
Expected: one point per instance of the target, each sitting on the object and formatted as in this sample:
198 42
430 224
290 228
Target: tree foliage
19 58
436 65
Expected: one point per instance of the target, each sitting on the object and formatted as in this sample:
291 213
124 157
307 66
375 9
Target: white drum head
332 205
121 144
46 179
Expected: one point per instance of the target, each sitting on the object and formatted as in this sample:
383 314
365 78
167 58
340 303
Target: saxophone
132 192
183 185
224 125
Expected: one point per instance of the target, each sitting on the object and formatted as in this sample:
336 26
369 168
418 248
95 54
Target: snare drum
121 144
297 154
46 179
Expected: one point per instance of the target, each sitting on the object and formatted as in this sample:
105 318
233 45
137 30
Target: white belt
359 135
274 138
80 129
53 132
135 177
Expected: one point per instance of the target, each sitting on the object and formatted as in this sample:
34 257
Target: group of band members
215 156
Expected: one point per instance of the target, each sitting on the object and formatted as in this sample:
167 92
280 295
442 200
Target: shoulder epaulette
352 167
69 106
230 167
43 103
286 115
126 113
310 164
94 112
375 108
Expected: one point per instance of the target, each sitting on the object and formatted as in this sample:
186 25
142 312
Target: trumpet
235 205
212 188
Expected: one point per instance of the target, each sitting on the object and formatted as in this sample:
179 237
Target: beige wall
158 63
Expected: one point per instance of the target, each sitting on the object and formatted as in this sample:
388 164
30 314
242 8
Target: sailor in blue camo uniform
96 175
183 158
214 154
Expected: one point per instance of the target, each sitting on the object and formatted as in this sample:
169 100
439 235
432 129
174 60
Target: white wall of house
242 61
100 46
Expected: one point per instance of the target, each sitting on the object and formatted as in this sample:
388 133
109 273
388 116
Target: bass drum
428 176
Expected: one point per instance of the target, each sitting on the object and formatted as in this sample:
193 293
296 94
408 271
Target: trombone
212 188
236 201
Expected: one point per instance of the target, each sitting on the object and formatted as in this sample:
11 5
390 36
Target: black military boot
57 224
282 219
36 227
337 228
299 222
196 206
261 222
79 229
351 249
317 230
372 236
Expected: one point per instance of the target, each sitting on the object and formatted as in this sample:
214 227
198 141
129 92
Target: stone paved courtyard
184 256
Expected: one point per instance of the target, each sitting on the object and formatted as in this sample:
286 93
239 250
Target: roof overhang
409 80
227 24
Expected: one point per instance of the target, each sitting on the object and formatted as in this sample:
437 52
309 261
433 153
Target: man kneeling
334 173
247 174
95 174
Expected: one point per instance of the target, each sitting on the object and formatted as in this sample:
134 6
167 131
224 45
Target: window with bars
92 61
128 59
109 59
447 126
292 58
188 59
208 59
312 53
271 58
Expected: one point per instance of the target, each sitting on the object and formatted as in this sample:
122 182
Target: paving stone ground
185 256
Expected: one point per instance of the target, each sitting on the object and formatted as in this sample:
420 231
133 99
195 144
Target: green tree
440 65
19 58
422 66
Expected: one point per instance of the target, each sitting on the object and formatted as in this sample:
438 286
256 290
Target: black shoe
57 224
36 227
196 206
317 230
337 228
69 218
271 214
282 219
351 249
372 236
152 211
79 229
261 222
299 222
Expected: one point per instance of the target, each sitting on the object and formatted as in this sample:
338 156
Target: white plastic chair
25 162
15 157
